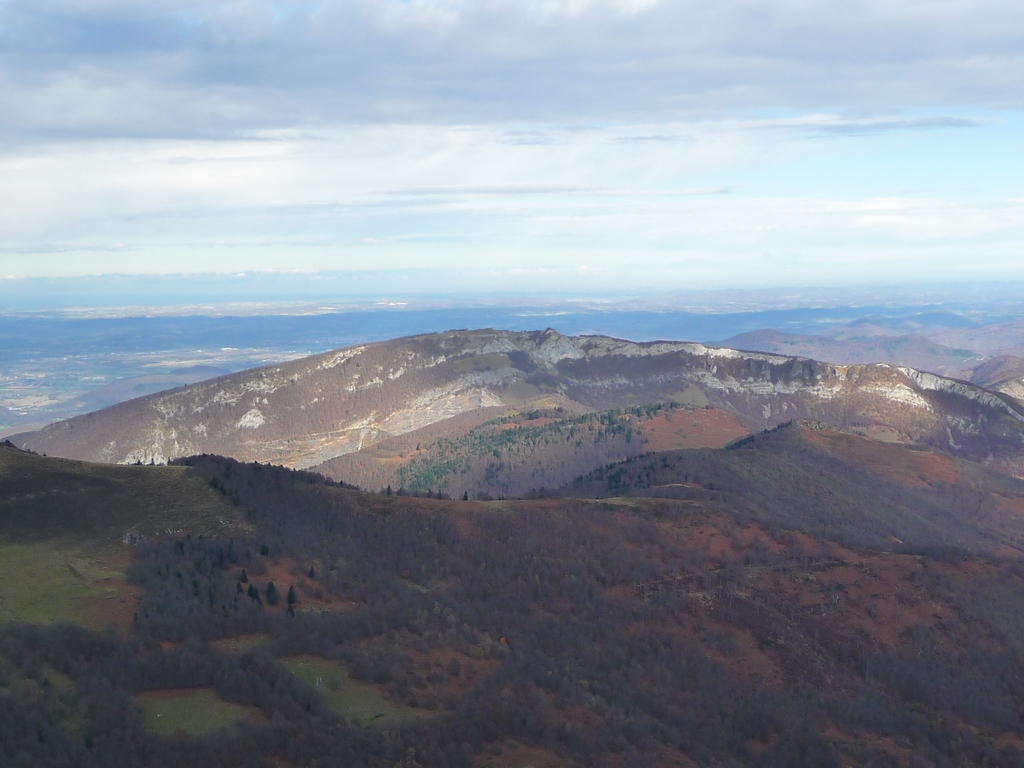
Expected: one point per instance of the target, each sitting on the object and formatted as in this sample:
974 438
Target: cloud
639 138
175 69
884 125
719 196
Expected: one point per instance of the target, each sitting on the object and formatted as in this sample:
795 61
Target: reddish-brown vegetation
287 573
701 428
885 744
1013 506
463 671
514 755
916 469
793 605
118 610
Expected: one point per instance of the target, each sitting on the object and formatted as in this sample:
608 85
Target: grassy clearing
242 643
352 700
195 711
58 679
42 583
61 527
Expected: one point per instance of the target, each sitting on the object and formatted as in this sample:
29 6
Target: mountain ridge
306 412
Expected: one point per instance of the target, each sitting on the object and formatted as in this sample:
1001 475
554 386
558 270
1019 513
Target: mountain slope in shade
305 412
45 498
841 486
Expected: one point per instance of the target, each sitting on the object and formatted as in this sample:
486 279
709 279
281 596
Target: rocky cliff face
303 413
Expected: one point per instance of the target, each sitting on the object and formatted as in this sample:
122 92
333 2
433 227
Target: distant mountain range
309 412
912 350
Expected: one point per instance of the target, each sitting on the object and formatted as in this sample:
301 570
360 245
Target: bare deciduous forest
635 631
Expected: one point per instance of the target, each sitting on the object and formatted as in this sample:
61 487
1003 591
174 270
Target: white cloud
537 134
175 69
459 197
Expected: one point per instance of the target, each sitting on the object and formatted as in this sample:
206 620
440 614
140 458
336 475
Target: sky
578 145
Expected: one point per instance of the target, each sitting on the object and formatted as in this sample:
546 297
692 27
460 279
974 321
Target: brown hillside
918 469
754 612
701 428
309 411
44 498
842 486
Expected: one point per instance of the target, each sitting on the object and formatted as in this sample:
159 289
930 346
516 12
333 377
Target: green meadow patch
352 700
42 583
241 643
195 711
62 524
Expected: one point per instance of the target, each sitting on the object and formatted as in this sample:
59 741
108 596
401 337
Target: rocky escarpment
305 412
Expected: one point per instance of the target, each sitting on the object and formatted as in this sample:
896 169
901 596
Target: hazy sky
604 143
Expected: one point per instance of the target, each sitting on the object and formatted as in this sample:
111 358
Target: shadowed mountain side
521 454
44 498
308 411
843 487
912 350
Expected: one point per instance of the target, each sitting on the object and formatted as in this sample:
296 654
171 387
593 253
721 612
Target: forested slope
836 485
565 632
525 452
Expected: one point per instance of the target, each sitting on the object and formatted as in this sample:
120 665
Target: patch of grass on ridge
352 700
47 499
